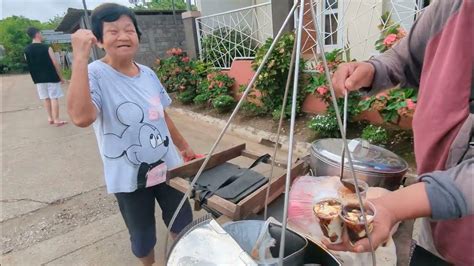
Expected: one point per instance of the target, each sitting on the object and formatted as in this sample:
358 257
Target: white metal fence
233 34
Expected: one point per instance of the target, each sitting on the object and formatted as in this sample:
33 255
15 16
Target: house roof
70 22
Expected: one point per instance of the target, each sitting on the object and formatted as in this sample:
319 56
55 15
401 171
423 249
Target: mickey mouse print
141 143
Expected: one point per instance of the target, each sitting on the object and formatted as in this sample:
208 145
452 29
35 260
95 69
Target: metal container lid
365 156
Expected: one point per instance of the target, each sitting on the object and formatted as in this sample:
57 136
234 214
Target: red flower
390 40
322 90
410 104
185 59
319 68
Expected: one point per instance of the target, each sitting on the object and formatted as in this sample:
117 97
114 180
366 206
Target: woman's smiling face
120 39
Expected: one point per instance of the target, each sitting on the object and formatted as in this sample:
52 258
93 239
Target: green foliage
251 109
187 96
325 125
272 79
215 84
201 99
162 5
66 73
397 102
223 103
220 47
180 74
14 39
53 23
388 27
375 134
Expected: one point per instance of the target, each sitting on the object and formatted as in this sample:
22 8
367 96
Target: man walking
46 74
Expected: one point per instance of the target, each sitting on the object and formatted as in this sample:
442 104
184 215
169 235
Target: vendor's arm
80 107
400 65
179 140
450 192
441 195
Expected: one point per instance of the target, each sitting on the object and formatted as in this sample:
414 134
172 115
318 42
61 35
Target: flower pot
314 105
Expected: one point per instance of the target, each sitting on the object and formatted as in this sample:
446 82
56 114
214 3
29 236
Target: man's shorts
49 90
138 211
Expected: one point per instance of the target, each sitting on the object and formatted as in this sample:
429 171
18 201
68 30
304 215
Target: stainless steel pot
373 164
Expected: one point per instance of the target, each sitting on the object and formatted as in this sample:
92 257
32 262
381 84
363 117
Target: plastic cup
354 221
328 212
349 197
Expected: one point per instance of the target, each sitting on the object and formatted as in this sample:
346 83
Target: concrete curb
248 132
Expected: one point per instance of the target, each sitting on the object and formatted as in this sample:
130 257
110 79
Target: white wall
361 18
209 7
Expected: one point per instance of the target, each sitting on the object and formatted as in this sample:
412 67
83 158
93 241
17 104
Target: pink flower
390 40
220 84
322 90
410 104
401 33
185 59
319 68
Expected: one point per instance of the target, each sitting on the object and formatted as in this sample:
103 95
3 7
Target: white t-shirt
132 135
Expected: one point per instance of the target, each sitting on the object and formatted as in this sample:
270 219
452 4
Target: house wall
210 7
361 31
159 33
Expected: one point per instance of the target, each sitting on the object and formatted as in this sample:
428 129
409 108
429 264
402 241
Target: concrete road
54 208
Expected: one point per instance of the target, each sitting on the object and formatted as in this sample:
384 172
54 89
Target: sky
43 10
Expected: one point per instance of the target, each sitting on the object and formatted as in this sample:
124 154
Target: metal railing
234 34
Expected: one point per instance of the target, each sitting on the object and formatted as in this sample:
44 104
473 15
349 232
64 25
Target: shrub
180 74
325 125
375 134
223 103
201 99
251 109
272 79
397 103
215 84
187 96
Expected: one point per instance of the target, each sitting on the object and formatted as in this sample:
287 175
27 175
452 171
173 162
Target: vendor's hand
352 76
82 42
188 154
382 226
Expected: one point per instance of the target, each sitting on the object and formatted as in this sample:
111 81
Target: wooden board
253 203
191 168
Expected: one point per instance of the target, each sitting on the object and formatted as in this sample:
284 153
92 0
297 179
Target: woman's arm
179 140
80 108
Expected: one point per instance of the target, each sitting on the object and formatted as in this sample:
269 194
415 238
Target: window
331 20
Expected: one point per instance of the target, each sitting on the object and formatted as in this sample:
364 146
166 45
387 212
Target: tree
14 39
162 5
53 23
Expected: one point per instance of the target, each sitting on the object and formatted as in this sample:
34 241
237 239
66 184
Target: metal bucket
375 165
245 233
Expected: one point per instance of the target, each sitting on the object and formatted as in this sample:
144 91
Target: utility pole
87 22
